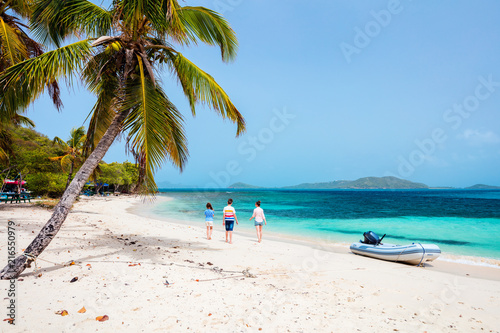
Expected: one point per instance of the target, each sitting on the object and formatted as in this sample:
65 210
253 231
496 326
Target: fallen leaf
197 280
62 313
82 310
209 314
39 275
72 263
89 265
102 318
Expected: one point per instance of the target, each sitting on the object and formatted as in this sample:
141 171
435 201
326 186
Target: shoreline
330 245
123 263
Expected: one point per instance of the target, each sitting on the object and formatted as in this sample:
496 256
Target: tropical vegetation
31 156
128 45
73 151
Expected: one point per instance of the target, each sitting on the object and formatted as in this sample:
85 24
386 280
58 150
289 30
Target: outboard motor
371 238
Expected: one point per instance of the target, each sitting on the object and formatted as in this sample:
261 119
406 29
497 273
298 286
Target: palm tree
136 42
16 46
73 151
6 137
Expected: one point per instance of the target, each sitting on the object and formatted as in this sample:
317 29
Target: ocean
460 222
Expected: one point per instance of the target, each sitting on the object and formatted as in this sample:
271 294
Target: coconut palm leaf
25 81
13 49
54 20
21 7
200 87
211 28
154 126
103 80
5 144
18 120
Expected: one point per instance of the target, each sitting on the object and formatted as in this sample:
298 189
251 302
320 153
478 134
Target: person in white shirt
260 219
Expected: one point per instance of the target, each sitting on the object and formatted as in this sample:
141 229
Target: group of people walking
229 218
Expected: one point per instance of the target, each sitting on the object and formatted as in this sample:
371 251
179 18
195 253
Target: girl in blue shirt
209 220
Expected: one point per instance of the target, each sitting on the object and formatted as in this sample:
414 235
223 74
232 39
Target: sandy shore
123 261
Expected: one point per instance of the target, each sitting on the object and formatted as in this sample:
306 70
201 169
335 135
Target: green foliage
32 156
47 183
121 176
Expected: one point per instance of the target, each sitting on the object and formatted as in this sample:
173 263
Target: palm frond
76 136
103 80
3 156
24 82
20 7
54 20
211 28
13 49
200 87
59 141
154 127
22 120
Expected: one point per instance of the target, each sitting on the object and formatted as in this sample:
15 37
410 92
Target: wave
468 260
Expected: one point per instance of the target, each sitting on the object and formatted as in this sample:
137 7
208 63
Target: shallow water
461 222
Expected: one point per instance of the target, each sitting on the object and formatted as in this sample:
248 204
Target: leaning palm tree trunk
49 231
70 175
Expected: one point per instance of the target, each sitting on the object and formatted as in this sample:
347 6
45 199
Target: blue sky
338 90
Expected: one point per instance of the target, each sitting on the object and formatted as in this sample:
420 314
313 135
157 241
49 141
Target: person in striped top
228 219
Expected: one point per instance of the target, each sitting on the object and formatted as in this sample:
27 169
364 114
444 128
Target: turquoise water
461 222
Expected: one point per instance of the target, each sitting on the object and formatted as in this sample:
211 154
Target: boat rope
400 253
423 254
31 257
34 258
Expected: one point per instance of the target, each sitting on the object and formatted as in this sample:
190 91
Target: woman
260 219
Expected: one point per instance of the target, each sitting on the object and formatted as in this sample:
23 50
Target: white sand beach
123 262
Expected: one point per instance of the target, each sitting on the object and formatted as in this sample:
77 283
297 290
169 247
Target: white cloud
478 138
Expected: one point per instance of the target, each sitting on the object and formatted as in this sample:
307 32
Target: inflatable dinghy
414 253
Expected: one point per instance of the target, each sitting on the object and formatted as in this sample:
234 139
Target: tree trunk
70 174
61 210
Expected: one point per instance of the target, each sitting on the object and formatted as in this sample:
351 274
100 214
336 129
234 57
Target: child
228 218
209 220
260 218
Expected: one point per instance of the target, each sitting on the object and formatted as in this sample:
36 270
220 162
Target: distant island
366 183
482 187
243 186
